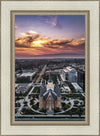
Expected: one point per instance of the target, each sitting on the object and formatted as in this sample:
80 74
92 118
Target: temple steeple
50 79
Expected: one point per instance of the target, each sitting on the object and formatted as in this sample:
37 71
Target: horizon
49 58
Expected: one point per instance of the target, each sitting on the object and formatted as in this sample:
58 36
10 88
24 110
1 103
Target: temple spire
50 80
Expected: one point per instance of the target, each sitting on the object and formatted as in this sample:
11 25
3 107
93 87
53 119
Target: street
44 68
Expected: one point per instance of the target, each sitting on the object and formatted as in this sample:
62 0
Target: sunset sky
49 36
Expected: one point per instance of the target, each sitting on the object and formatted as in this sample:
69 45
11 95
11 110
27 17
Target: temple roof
57 90
50 79
42 90
50 90
50 93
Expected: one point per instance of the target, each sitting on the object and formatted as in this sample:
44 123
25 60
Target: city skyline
49 36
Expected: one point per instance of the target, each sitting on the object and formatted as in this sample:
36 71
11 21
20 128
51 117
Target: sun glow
38 43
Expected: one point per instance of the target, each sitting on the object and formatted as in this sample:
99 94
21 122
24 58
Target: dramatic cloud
34 44
26 40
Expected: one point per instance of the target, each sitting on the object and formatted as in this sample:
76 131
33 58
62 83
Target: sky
49 36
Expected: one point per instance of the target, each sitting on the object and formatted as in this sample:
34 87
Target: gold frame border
99 65
12 57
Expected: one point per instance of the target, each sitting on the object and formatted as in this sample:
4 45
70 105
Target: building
69 74
77 88
66 89
50 97
25 77
81 78
82 67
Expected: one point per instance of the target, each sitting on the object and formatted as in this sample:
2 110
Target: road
22 100
44 68
20 108
28 103
52 118
72 105
83 94
49 119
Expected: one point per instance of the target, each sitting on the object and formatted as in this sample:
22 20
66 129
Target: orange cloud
31 43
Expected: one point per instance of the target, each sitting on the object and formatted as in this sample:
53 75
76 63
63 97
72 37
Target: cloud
52 20
26 39
36 44
55 22
29 33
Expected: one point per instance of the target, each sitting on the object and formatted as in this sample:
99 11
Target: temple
50 97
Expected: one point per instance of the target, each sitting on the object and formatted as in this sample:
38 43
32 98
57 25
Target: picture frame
13 14
91 10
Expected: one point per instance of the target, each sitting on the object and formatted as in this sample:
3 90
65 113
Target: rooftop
69 69
67 88
27 74
76 86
